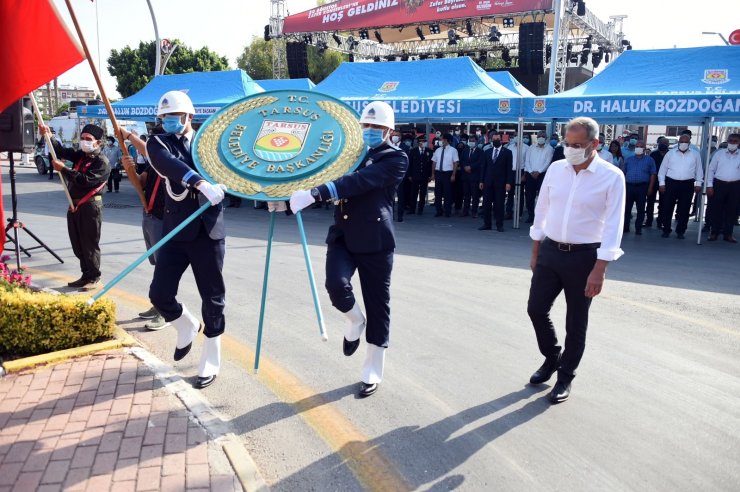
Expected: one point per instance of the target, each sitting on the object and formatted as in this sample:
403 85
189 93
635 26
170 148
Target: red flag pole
51 150
130 170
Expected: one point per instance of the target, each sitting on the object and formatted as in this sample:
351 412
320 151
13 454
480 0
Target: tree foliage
133 68
256 60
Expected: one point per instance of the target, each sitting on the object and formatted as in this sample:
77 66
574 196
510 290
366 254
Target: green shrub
38 322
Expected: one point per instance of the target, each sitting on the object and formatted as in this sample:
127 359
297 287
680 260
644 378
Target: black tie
185 143
442 160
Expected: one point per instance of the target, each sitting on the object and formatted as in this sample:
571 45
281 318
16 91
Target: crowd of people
476 174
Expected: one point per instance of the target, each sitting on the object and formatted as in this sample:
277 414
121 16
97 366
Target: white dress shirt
582 208
681 166
538 158
606 155
724 166
514 148
450 157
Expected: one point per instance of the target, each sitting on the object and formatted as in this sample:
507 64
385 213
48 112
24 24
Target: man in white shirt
514 148
680 176
445 162
577 231
538 160
723 188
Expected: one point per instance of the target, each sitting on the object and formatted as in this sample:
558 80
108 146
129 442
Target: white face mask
731 147
87 146
600 147
395 139
541 140
575 156
513 141
683 146
639 151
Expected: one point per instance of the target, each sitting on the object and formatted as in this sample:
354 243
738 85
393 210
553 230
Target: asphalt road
655 406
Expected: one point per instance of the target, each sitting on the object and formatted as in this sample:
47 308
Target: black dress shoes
560 392
180 353
680 236
546 370
484 228
500 229
78 283
367 389
201 382
350 348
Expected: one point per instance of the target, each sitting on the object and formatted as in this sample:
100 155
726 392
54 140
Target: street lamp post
720 35
157 42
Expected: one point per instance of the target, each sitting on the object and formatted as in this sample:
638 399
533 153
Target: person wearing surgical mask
639 173
576 233
85 182
362 240
628 149
113 154
680 176
539 158
652 198
723 189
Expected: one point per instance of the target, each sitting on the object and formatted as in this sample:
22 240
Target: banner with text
346 15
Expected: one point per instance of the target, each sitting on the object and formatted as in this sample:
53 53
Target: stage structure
513 34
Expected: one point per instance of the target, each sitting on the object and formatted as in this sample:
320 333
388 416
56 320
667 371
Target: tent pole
707 139
518 180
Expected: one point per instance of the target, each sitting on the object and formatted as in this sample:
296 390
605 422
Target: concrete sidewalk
103 422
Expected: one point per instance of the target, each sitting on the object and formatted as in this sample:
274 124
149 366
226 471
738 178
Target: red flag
35 47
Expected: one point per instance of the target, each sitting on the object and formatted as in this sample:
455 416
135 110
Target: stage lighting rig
390 57
469 27
405 56
420 33
508 22
352 42
351 57
434 29
378 37
607 57
364 34
581 9
439 55
337 39
495 35
423 56
308 39
584 57
322 46
376 58
548 53
589 43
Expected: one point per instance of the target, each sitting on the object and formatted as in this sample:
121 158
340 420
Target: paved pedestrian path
103 423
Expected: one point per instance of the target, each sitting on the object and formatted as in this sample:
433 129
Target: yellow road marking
371 468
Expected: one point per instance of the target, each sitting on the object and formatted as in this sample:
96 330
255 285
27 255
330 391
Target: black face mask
496 143
663 147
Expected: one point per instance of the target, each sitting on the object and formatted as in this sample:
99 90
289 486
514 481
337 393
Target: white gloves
213 193
300 199
276 206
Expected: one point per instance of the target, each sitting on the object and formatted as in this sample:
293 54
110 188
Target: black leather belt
567 247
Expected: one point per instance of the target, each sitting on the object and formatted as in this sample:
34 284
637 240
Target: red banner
346 15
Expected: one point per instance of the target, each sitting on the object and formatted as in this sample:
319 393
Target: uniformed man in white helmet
362 238
199 245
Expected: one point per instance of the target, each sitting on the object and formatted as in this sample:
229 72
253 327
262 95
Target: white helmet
175 102
379 113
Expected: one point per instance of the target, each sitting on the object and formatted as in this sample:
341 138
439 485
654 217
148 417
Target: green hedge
34 323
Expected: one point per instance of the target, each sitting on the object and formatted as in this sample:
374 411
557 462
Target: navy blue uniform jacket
174 163
497 173
420 164
363 218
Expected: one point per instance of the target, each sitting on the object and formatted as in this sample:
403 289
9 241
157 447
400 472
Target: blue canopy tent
446 89
286 84
507 80
682 86
209 91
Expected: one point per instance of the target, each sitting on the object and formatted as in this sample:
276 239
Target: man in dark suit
199 245
420 173
362 239
404 187
471 161
497 177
